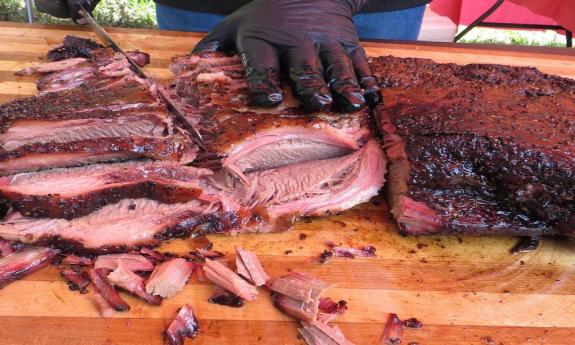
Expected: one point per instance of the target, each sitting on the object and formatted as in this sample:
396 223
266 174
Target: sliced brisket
74 192
116 228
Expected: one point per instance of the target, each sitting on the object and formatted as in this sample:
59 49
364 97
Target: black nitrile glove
315 40
65 8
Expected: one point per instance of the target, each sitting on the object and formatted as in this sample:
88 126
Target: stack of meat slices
95 164
478 149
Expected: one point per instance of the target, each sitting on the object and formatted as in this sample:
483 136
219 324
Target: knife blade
174 108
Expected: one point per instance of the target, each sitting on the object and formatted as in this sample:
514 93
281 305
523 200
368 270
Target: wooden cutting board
465 290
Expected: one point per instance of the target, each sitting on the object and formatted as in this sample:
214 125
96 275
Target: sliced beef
74 192
478 149
312 188
101 99
128 224
213 90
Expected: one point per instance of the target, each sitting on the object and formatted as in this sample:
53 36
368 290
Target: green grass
120 13
547 38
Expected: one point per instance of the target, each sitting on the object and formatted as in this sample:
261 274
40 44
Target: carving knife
174 109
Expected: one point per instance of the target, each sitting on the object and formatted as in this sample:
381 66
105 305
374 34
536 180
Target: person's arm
315 41
65 8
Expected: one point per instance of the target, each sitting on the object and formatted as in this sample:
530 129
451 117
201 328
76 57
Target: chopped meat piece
50 67
5 248
209 254
76 281
185 325
102 305
412 323
329 310
526 244
153 255
224 277
169 278
23 263
249 267
77 260
85 189
223 297
319 333
298 295
132 262
393 331
325 256
364 251
129 281
98 276
73 47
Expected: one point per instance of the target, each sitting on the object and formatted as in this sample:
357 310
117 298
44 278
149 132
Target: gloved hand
314 40
65 8
74 7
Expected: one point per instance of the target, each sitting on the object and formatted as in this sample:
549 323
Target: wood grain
466 290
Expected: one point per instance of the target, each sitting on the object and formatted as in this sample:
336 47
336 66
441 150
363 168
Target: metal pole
569 37
478 20
29 15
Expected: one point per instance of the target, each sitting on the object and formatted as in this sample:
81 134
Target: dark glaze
525 244
489 146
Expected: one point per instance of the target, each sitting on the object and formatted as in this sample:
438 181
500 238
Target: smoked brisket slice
74 192
478 149
117 228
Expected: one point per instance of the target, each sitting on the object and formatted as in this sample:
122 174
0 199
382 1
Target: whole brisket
478 149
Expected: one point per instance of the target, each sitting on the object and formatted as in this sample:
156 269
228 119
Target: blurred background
518 22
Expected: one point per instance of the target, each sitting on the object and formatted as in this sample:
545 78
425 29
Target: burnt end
73 47
488 147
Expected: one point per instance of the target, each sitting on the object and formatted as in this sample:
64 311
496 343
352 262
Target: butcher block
465 290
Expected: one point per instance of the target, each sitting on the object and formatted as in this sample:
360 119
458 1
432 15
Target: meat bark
478 149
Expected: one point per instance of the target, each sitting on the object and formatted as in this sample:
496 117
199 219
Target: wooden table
465 290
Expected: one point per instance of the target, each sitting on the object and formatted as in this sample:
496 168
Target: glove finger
372 93
215 41
347 94
262 69
306 73
74 8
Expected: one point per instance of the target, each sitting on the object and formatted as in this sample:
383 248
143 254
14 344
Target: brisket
117 228
75 192
213 90
478 149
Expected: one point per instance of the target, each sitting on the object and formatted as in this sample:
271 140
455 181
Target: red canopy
550 12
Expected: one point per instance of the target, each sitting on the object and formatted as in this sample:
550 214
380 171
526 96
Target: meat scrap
75 260
5 248
20 264
104 308
227 279
132 262
249 267
99 277
223 297
170 277
364 251
76 280
132 283
319 333
393 331
298 295
328 310
185 325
